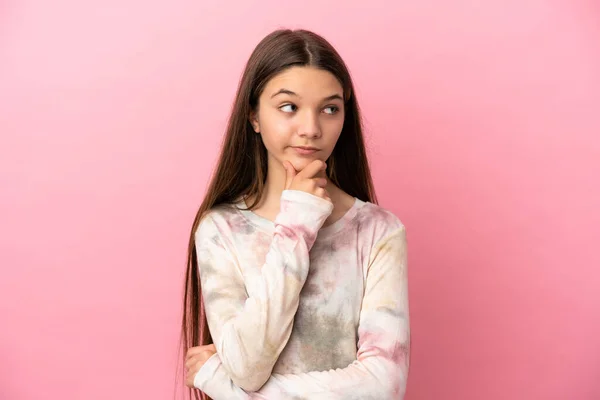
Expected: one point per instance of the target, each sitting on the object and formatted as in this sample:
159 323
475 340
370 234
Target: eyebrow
289 92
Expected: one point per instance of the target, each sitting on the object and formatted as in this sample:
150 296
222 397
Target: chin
300 163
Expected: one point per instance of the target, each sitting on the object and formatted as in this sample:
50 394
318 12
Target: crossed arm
250 329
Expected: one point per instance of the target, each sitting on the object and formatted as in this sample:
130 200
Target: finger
192 351
189 382
200 357
320 182
290 173
196 351
323 172
190 363
321 192
312 169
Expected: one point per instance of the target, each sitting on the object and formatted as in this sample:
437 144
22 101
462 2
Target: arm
250 311
381 369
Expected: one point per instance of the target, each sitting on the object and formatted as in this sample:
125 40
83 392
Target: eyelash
335 109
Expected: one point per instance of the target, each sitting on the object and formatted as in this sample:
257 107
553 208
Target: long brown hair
242 166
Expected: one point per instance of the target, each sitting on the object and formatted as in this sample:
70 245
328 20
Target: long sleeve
381 369
250 309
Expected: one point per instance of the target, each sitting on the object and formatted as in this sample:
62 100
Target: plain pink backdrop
483 126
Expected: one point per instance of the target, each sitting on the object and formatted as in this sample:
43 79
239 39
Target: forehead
307 82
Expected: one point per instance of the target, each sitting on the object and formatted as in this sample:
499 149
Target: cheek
274 139
275 131
275 144
331 133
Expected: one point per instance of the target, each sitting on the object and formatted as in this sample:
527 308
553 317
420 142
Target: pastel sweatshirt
298 310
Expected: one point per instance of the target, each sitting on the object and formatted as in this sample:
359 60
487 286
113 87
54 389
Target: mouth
305 150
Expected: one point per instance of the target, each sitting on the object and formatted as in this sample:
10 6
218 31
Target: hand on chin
299 163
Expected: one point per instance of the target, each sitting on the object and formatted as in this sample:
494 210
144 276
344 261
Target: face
300 116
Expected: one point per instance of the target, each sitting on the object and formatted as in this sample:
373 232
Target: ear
253 118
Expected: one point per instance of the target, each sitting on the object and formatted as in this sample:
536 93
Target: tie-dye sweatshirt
298 310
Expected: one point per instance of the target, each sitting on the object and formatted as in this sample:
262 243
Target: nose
310 126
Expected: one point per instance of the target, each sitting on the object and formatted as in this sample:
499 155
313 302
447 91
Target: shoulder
222 220
383 234
377 222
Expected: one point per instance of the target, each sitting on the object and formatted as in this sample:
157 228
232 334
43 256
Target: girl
304 282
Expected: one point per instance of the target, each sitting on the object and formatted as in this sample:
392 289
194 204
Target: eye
331 110
288 108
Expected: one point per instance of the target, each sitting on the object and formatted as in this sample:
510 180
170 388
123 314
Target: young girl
304 278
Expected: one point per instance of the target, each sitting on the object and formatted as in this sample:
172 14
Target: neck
274 185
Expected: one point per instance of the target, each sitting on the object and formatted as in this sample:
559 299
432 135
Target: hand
311 179
195 359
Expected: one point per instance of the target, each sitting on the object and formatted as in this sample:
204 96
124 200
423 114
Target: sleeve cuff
303 213
298 196
207 371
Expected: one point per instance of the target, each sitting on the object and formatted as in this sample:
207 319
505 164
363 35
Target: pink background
483 123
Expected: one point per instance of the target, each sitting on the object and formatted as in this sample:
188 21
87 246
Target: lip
305 150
